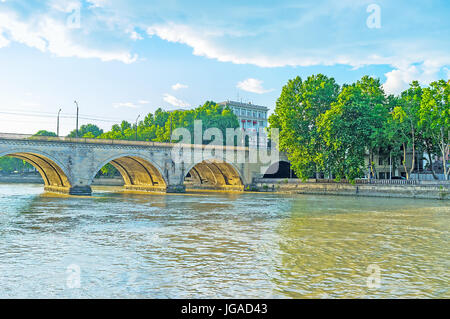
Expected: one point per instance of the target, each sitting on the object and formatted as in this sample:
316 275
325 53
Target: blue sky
120 58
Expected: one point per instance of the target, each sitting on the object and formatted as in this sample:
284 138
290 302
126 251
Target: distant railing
14 136
388 181
361 181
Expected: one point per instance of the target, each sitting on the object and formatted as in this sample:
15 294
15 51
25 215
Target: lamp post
170 141
57 124
137 126
76 132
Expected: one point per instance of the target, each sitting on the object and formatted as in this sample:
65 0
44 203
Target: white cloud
50 35
125 104
172 100
400 78
4 42
143 102
203 44
310 42
216 44
252 85
179 86
65 5
134 35
285 33
447 71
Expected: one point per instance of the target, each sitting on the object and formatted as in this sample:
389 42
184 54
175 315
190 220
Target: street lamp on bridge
137 126
57 124
76 132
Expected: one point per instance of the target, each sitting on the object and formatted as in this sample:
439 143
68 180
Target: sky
120 59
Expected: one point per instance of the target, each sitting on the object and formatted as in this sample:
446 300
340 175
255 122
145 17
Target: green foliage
109 170
10 164
45 133
88 131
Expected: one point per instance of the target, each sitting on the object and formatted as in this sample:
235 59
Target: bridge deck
28 137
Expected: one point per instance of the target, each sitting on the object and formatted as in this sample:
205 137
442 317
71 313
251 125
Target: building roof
246 105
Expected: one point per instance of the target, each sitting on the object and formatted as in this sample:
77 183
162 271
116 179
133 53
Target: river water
219 245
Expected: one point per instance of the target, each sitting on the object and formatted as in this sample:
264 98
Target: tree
406 119
213 115
45 133
434 117
85 129
352 127
297 110
392 145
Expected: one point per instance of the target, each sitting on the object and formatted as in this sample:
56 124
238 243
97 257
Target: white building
252 119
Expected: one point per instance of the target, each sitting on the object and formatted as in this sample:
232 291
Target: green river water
219 245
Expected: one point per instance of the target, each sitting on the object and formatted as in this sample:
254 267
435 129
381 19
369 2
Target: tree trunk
390 165
444 163
413 160
444 150
371 164
404 161
429 152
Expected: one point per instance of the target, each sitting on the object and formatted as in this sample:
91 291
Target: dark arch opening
137 173
281 169
213 175
55 179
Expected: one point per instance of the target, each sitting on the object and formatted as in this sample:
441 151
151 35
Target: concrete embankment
21 179
423 189
36 179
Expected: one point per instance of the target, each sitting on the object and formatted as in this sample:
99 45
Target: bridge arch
214 174
138 172
53 172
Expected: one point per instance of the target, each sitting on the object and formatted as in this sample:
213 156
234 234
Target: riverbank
422 190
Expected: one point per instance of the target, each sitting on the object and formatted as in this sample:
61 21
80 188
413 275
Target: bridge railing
14 136
62 139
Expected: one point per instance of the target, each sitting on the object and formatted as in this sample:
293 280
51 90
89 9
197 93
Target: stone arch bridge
69 165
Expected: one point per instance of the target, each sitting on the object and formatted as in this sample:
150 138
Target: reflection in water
220 245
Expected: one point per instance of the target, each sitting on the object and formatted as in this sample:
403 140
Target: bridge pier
76 190
176 189
80 191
